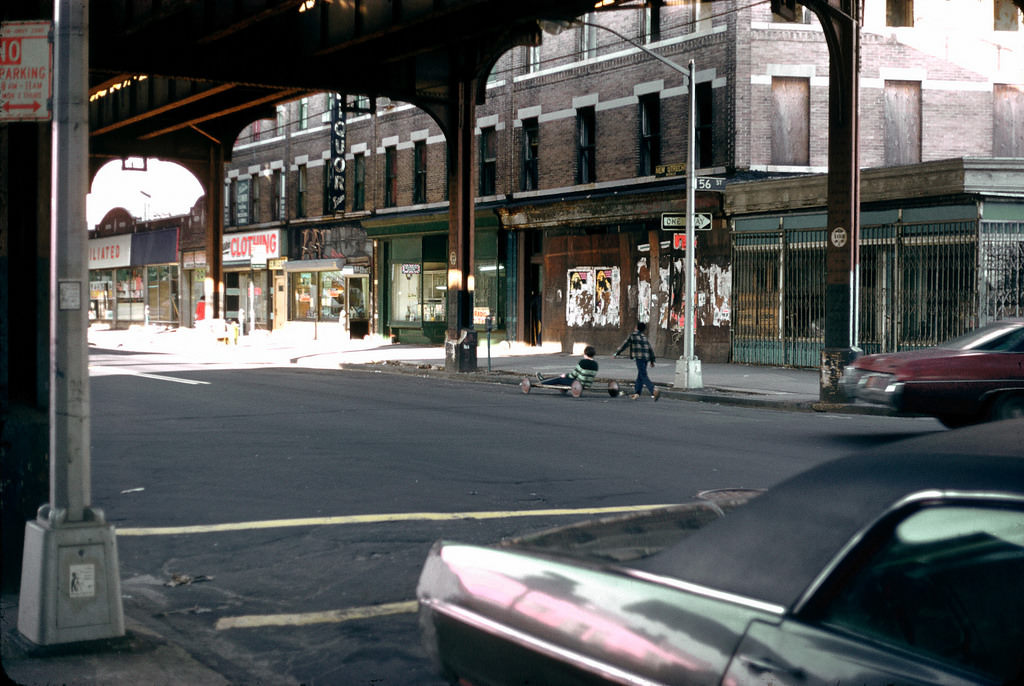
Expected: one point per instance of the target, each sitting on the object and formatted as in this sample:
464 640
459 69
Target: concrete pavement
143 657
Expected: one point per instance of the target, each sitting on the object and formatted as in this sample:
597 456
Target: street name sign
673 221
709 183
26 71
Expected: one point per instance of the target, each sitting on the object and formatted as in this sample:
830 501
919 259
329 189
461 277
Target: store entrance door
280 313
356 288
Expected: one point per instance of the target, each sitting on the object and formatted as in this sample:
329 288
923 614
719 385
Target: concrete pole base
688 374
833 361
70 583
460 354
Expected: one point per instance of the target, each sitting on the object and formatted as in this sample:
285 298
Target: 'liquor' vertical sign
336 172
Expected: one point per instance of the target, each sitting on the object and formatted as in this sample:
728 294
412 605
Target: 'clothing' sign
238 247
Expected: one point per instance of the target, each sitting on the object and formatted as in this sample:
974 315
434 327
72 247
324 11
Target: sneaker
656 394
635 396
540 377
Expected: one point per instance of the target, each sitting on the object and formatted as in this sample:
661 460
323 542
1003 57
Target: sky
172 190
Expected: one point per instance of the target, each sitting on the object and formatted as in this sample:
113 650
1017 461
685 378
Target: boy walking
640 351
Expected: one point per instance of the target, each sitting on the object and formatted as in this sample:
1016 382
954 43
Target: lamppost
688 367
70 583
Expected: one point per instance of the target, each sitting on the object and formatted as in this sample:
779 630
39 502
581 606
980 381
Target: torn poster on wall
593 296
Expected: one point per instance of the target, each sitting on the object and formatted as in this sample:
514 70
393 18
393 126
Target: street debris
186 580
194 610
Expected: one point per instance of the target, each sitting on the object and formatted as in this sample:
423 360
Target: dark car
973 378
905 566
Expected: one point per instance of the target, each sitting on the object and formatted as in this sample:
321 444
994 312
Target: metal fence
920 284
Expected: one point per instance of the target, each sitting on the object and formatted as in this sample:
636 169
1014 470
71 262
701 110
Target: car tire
1008 406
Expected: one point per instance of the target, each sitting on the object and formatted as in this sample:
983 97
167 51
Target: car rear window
997 338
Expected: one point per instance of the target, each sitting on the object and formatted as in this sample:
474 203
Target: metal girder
213 67
840 21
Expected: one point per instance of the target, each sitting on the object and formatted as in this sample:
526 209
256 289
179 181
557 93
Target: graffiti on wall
593 296
713 291
643 291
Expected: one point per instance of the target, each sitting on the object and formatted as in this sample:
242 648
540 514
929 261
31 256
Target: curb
706 395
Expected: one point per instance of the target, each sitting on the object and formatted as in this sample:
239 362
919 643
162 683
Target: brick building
576 143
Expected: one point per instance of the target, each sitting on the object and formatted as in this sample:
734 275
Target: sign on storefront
336 170
110 252
238 246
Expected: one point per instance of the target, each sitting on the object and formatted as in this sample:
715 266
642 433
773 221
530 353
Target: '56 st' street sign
26 71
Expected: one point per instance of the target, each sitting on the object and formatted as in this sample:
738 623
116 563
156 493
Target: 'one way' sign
673 221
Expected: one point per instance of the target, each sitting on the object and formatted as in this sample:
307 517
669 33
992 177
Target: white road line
323 617
374 519
158 377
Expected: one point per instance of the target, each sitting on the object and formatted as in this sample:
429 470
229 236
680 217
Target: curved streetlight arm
688 367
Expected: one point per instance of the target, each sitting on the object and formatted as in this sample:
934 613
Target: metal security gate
1001 287
920 284
778 297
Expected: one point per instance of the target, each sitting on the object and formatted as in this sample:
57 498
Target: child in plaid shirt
640 351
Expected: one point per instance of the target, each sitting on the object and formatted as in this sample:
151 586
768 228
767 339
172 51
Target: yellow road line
324 617
373 519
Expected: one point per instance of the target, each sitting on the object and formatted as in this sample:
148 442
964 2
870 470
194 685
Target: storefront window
130 303
435 291
485 295
332 295
256 299
162 293
357 298
101 296
303 305
405 301
199 290
489 278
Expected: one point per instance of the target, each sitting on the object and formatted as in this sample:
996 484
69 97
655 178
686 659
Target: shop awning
155 247
333 264
421 224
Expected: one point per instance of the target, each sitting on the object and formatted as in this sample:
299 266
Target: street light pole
70 584
688 367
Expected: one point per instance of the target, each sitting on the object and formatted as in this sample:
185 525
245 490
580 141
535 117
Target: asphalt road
297 505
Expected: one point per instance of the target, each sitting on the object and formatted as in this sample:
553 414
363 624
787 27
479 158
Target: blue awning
155 247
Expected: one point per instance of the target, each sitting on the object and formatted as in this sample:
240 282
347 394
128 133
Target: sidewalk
499 362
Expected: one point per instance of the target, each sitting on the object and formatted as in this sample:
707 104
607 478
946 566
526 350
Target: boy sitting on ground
585 371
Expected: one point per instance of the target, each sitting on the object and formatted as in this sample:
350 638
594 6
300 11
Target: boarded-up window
704 16
1006 15
1008 121
899 12
902 122
791 121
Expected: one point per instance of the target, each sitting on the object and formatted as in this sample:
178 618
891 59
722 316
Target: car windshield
1001 336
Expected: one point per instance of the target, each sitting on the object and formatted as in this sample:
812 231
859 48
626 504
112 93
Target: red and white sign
26 71
107 253
679 241
238 247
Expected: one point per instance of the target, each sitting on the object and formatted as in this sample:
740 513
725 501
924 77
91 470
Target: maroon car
976 377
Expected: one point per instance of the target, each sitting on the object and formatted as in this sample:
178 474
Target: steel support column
213 287
461 341
840 20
